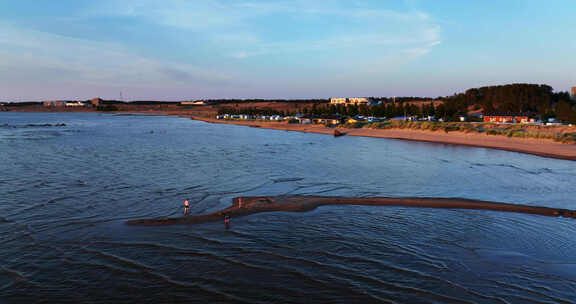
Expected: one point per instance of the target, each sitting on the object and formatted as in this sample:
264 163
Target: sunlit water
65 192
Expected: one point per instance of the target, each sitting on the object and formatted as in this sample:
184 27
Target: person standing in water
227 221
186 207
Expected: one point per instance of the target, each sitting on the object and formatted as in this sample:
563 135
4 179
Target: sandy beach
296 203
540 147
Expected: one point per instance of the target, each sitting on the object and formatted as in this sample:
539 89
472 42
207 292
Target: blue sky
178 49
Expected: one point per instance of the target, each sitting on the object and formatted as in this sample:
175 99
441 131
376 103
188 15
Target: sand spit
295 203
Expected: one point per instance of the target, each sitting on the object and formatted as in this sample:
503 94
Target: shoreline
538 147
297 203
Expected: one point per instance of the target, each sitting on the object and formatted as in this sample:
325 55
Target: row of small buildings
500 118
252 117
194 103
301 119
508 117
519 118
357 101
75 104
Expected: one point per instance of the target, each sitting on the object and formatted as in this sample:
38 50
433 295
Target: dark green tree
563 111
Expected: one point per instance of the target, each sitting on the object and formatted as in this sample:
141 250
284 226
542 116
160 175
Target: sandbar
298 203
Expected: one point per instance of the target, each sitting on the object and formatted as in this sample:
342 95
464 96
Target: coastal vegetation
537 100
560 134
107 108
517 98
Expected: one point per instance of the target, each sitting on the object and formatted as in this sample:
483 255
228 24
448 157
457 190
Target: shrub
468 129
383 125
569 138
451 128
495 132
107 108
353 125
517 133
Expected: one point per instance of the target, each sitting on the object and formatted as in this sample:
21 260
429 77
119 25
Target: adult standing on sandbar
186 207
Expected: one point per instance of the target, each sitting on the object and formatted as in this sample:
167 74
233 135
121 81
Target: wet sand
541 147
296 203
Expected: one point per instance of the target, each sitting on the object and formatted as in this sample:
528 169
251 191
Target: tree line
517 98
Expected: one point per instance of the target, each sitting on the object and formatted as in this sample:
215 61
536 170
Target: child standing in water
186 207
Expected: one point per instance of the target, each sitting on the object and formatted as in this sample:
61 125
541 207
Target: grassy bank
562 134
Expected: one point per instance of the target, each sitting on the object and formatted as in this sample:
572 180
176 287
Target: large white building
193 103
351 101
75 104
338 100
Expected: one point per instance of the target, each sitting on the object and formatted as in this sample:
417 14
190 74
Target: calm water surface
66 191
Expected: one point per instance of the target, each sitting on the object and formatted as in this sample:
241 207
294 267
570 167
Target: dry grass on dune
563 134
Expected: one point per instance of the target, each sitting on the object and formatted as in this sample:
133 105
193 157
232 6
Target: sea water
66 191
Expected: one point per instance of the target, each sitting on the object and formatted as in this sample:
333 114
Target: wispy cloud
296 25
214 44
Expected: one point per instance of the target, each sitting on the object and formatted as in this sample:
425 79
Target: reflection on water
65 192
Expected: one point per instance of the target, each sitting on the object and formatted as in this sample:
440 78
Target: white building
75 104
359 101
351 101
193 103
338 100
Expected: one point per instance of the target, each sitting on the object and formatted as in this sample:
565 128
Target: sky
199 49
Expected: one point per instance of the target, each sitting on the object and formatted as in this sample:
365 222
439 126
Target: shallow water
65 192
